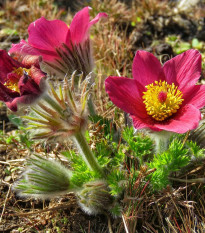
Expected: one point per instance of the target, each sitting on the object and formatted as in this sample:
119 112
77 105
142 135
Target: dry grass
19 14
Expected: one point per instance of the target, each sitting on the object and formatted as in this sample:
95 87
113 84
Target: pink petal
28 86
29 60
47 34
143 122
187 118
79 26
7 65
33 84
184 70
146 68
37 75
25 99
97 18
7 96
126 94
195 96
22 49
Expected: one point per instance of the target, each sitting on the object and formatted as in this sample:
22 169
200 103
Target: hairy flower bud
95 197
43 179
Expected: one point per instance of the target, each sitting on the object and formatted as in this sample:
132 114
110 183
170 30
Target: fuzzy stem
87 154
161 140
161 144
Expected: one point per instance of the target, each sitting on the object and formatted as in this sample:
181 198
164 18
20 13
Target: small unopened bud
95 197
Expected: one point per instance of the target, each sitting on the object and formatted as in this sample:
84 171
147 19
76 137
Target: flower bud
43 179
95 197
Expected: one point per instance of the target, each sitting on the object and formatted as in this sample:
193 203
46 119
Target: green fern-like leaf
172 160
81 173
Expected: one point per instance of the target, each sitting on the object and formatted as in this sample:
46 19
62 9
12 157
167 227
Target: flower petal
195 96
183 70
22 49
146 68
29 60
126 94
97 18
7 65
79 26
32 84
143 122
187 118
7 96
47 34
37 75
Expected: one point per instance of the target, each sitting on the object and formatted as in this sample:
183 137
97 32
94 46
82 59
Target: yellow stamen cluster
13 83
162 100
20 71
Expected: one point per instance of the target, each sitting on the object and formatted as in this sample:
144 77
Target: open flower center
162 100
13 78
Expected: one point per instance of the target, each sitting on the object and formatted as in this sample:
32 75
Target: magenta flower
63 48
161 98
18 83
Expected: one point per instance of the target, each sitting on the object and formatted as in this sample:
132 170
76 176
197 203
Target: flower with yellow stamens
18 83
161 98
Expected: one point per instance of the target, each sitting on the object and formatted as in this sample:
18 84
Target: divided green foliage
172 160
123 161
116 181
140 145
178 156
127 159
109 129
81 173
195 150
23 136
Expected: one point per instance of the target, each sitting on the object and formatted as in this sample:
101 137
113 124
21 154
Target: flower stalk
161 140
63 115
86 152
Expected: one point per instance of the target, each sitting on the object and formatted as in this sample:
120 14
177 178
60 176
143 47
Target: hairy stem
87 154
161 139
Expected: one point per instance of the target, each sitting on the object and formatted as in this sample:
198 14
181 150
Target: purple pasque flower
19 83
63 48
161 97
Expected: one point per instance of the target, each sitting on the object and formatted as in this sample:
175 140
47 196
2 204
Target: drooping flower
19 83
161 97
63 48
